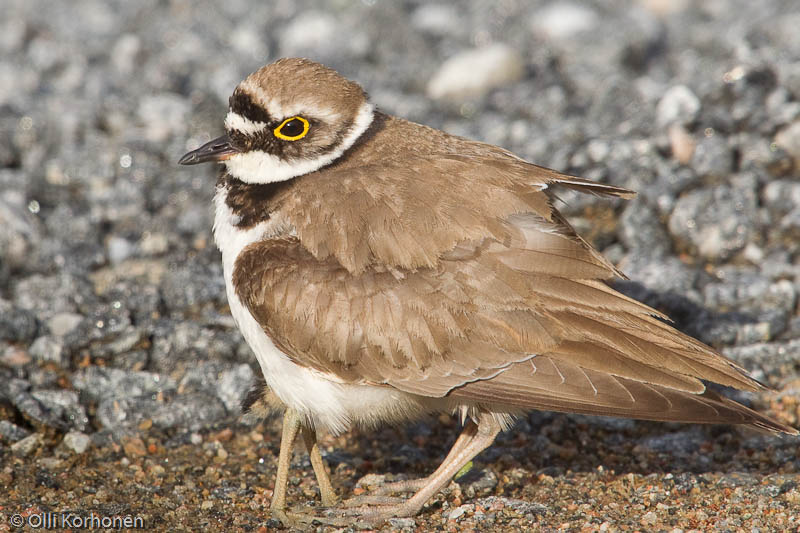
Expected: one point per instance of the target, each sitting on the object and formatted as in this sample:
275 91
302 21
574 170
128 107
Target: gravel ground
121 370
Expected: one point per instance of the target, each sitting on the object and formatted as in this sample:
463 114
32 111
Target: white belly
325 402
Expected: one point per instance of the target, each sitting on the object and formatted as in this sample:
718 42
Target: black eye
292 129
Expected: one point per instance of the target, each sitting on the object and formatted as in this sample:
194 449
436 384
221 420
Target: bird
382 270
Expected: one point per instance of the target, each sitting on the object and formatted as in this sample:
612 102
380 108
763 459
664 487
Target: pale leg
291 426
477 437
377 496
326 491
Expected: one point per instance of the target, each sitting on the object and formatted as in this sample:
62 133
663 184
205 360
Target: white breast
326 403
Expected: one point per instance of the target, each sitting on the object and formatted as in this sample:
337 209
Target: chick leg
291 426
326 491
477 438
378 495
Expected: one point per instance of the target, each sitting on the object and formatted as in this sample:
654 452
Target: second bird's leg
379 493
477 437
291 426
326 492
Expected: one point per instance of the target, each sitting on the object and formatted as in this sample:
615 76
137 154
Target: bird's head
289 118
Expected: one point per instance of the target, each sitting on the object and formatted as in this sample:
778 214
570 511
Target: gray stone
642 230
10 432
38 414
20 231
743 290
203 377
562 20
234 385
46 349
719 232
47 296
188 344
782 196
522 507
713 157
189 411
679 443
679 105
192 287
437 19
63 323
16 325
789 139
403 523
661 274
477 482
119 249
473 73
13 386
62 408
99 383
28 445
76 441
43 377
769 358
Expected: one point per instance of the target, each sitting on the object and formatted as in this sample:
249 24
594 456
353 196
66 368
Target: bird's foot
367 510
378 486
369 514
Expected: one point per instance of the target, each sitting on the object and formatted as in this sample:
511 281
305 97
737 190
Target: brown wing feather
555 385
387 282
464 320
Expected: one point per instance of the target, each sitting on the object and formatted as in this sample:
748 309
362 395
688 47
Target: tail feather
526 386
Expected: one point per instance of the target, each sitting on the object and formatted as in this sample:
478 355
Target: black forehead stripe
242 104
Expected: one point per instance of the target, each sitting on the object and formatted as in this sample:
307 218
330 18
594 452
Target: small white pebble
473 73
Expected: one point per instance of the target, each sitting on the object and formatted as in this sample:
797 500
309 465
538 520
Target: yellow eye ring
293 126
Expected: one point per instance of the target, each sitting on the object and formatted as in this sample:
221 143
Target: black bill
217 149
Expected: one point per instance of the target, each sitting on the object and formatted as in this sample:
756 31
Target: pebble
192 411
21 230
682 442
403 523
233 386
679 105
437 19
562 20
63 323
713 157
641 229
456 513
108 383
46 349
119 249
782 196
11 433
76 441
478 482
62 409
17 325
28 445
789 139
715 234
473 73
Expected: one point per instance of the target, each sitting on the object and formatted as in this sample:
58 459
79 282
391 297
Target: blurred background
112 303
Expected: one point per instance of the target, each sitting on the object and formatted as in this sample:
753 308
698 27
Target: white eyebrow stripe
257 166
235 121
